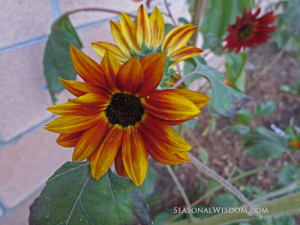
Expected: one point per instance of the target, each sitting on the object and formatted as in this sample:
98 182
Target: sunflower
249 31
148 37
119 116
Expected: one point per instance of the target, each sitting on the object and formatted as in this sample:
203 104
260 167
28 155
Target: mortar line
89 25
55 9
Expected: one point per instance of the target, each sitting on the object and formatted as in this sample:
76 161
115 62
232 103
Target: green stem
180 188
241 176
282 206
99 10
207 129
196 17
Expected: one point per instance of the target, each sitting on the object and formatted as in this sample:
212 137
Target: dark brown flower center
124 109
245 32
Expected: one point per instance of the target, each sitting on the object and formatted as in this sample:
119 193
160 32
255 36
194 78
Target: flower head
119 116
249 31
148 37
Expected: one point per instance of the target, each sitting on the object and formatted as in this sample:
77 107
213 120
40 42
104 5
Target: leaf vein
113 197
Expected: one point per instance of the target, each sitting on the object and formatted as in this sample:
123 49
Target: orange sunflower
119 116
148 37
249 31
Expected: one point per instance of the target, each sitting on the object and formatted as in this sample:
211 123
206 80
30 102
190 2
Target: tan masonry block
24 20
27 166
23 97
82 18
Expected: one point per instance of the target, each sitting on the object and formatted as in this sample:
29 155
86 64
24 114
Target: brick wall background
29 154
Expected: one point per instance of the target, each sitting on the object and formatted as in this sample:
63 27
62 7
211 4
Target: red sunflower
119 116
249 31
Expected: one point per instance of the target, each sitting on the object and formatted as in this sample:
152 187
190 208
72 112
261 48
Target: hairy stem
196 17
180 188
183 79
220 179
212 191
99 10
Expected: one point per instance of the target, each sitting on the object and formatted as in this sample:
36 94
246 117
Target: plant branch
181 190
183 79
220 179
282 206
241 176
268 67
169 13
99 10
292 157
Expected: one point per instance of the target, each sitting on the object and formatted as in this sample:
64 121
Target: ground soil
224 148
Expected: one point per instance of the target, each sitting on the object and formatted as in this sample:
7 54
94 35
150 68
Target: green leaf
189 66
226 200
285 88
263 143
57 59
225 100
203 155
162 217
183 20
244 117
238 128
218 15
235 66
148 185
288 175
72 197
265 108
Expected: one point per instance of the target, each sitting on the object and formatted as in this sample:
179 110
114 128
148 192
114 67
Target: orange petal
119 165
135 155
92 101
153 66
167 105
78 88
87 69
130 77
185 53
101 47
157 27
90 140
72 109
166 134
143 32
119 38
128 29
177 38
159 150
111 66
104 156
72 124
68 140
199 99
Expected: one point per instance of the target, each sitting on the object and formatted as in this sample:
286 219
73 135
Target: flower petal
130 77
92 101
120 39
185 53
79 88
157 27
135 155
87 69
110 66
159 150
128 29
167 105
119 165
101 47
143 32
72 124
179 39
72 109
90 140
68 140
199 99
104 156
166 134
153 66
